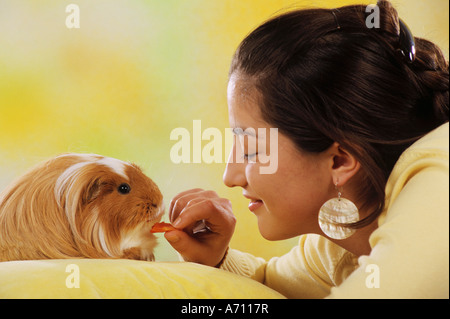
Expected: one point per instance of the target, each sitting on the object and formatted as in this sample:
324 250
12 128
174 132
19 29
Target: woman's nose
234 174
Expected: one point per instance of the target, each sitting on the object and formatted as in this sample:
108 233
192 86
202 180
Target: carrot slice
162 227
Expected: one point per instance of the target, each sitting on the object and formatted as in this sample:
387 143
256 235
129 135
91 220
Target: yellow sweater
410 248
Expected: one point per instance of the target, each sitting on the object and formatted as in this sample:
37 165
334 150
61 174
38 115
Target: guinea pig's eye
124 188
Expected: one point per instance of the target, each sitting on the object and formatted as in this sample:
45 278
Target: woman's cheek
254 179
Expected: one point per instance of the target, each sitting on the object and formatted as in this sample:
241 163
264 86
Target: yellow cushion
122 278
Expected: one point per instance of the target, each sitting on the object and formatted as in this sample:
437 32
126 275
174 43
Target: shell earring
335 214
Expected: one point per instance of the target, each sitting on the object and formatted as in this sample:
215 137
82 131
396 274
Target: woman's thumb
183 243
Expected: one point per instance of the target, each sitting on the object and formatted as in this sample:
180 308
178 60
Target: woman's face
286 201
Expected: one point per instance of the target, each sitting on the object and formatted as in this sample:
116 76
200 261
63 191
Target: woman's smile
254 204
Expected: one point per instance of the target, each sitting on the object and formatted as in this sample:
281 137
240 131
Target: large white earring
335 214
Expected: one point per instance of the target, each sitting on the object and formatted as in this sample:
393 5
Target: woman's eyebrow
247 131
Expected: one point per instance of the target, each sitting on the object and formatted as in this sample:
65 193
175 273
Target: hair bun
389 20
430 77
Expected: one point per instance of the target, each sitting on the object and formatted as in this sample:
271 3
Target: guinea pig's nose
161 210
162 207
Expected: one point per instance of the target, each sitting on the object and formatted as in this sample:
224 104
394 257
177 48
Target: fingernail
176 222
173 238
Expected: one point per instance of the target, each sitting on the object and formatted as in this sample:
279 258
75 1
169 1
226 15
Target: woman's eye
247 156
124 188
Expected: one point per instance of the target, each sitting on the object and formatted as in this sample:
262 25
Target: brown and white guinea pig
80 206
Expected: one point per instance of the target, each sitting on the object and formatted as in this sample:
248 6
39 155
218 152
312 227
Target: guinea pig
80 206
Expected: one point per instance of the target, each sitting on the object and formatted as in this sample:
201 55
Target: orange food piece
162 227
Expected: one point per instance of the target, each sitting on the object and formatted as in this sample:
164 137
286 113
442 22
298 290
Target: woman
362 118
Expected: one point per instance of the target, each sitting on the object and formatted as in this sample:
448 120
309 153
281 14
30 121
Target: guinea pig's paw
148 256
132 253
138 254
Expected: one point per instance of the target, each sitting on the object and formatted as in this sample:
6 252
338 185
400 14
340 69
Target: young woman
362 175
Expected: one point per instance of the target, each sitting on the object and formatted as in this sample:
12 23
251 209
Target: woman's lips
255 204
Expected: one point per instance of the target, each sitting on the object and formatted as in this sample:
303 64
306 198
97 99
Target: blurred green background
133 72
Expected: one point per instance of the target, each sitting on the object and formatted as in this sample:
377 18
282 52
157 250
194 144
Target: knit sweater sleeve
309 270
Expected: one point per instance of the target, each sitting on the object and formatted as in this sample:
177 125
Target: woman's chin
273 233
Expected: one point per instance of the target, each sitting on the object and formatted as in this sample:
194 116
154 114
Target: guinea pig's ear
91 191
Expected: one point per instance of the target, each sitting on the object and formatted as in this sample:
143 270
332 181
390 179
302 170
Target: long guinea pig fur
80 206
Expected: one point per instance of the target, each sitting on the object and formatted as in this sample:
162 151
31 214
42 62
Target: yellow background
133 72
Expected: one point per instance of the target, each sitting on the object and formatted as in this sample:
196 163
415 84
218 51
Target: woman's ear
344 165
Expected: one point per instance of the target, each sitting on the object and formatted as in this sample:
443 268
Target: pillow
123 278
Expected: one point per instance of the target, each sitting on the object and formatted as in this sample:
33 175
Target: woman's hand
189 208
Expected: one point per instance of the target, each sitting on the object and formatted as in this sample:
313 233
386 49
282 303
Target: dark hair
323 76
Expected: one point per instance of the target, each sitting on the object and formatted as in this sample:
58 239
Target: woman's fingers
189 209
217 213
176 204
